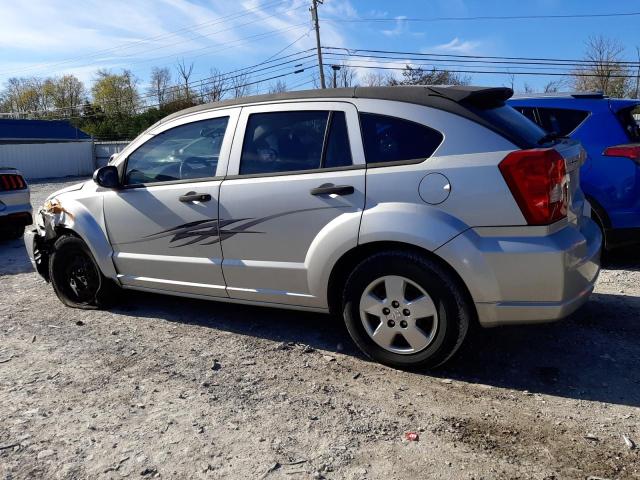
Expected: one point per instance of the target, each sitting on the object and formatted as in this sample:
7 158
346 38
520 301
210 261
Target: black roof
466 101
437 96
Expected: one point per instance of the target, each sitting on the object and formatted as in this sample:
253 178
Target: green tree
116 94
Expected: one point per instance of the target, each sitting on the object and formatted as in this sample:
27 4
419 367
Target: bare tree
279 87
159 85
553 86
239 85
526 88
214 88
185 71
603 69
375 79
511 80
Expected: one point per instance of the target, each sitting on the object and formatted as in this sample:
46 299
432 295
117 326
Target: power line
485 17
353 51
429 67
473 60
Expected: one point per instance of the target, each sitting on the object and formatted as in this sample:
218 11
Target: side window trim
325 141
353 132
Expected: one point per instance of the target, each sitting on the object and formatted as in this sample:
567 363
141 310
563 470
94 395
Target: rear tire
76 277
377 305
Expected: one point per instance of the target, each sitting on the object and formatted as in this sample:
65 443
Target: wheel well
601 213
345 265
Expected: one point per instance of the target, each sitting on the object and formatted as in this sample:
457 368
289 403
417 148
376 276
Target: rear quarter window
392 139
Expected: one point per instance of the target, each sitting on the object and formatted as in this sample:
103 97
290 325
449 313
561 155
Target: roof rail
598 94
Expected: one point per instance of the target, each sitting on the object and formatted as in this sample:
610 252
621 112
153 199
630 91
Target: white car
412 212
15 203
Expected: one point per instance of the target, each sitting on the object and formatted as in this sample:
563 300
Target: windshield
509 120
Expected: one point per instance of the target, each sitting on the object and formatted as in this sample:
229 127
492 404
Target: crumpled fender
85 217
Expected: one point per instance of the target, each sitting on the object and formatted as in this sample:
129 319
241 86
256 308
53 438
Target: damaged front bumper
37 241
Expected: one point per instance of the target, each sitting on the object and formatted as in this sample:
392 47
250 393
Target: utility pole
316 24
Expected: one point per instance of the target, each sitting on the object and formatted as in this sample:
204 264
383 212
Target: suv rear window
392 139
562 121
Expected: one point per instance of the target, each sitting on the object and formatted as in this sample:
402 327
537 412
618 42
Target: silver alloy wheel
398 314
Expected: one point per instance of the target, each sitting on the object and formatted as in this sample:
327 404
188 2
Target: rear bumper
16 219
515 278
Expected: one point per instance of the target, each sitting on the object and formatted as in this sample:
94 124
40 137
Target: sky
54 37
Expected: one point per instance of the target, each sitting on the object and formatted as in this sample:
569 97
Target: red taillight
12 182
627 151
537 179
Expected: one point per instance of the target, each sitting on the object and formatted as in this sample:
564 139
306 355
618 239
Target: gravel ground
178 388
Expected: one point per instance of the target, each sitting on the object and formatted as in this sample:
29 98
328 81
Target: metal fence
56 160
102 151
48 160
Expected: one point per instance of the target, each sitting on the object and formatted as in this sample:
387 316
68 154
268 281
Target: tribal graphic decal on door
209 232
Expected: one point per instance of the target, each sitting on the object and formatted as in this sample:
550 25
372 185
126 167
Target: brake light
627 151
537 179
12 182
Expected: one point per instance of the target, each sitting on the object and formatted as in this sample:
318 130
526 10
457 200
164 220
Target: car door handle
330 188
195 197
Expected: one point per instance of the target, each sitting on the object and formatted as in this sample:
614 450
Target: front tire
75 275
405 310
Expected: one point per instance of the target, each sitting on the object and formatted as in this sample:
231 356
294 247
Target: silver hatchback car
412 212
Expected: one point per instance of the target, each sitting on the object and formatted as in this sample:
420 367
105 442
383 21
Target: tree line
116 106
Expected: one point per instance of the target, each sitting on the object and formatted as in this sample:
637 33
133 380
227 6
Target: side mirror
107 177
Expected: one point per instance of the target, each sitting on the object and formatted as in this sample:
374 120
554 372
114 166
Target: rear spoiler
479 97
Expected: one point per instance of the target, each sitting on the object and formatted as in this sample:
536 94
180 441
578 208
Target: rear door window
562 121
280 142
391 139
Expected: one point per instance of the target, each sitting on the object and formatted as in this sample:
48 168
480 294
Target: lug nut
391 324
403 324
395 304
406 312
386 311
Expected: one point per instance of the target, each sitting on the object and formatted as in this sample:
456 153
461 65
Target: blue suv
610 177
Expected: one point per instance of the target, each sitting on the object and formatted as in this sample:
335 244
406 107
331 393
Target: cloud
457 46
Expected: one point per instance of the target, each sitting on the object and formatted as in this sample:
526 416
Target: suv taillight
631 151
12 182
537 179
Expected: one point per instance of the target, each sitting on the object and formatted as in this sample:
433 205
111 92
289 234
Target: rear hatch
530 136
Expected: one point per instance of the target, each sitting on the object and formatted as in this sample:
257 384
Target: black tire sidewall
63 249
453 317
